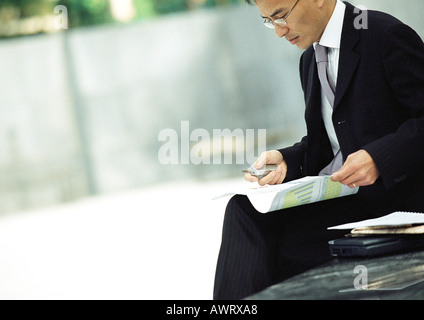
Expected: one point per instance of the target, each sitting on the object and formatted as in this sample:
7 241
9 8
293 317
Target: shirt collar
332 34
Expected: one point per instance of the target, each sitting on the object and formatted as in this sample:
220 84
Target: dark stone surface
397 277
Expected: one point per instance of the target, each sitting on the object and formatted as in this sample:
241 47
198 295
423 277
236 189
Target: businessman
364 95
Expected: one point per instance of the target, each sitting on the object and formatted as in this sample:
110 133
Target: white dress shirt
331 39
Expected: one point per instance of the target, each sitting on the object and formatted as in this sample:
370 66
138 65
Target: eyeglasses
281 21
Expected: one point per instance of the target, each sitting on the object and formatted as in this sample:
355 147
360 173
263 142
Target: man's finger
343 173
261 161
267 179
350 181
250 178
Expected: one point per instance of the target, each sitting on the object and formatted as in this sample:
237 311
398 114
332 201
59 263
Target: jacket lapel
313 94
319 149
349 59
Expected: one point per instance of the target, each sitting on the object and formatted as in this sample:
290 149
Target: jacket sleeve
293 156
400 155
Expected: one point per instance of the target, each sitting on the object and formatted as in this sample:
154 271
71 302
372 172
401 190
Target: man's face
305 24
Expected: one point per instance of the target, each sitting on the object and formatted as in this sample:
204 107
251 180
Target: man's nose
281 31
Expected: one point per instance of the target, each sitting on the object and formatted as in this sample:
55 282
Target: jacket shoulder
373 22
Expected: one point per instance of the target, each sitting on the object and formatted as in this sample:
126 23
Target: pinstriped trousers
259 250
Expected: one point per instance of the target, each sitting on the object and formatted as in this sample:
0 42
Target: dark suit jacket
379 107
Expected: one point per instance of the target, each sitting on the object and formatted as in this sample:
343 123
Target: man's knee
239 203
238 209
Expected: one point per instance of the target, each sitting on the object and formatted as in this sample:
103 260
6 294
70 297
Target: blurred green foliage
27 8
85 13
94 12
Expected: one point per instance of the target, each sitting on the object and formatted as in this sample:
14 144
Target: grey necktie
327 82
329 89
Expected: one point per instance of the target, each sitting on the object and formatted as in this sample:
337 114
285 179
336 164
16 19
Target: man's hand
358 170
275 177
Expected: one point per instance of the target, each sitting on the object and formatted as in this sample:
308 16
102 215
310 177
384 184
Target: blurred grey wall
80 111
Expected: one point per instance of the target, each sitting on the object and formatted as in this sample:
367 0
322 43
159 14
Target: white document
294 193
398 218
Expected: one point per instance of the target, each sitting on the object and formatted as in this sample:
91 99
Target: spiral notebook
294 193
399 222
396 232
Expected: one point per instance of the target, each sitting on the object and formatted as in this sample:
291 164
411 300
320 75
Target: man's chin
303 45
298 42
